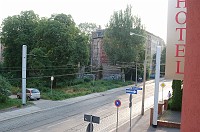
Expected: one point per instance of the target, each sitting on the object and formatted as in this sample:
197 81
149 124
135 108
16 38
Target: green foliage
176 95
82 89
4 89
169 104
55 46
118 43
16 31
10 103
87 28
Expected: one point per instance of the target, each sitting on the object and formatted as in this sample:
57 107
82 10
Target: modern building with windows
153 42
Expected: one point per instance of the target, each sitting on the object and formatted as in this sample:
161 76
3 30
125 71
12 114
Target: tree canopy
51 42
118 43
87 28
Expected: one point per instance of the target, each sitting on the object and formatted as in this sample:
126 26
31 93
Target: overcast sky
153 13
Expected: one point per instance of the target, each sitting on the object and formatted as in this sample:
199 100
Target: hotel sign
176 39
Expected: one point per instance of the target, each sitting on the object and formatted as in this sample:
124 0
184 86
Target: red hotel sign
176 39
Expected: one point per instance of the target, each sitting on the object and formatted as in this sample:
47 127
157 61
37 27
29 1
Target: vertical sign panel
176 39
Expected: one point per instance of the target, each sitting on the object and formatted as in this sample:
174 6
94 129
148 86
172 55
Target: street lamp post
144 76
52 78
136 74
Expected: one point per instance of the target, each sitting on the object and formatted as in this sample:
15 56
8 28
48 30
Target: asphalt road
69 117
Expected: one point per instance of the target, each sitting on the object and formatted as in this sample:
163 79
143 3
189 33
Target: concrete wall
190 118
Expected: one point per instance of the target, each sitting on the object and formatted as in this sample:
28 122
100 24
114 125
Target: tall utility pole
24 58
144 76
91 55
156 91
136 74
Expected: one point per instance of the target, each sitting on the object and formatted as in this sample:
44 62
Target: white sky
153 13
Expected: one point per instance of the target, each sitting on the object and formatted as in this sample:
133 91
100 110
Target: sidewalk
141 124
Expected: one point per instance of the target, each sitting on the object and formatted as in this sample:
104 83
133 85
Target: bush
4 89
176 95
15 90
87 80
35 83
3 98
169 104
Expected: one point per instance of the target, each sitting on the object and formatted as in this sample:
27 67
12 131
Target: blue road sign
118 103
131 92
136 88
128 89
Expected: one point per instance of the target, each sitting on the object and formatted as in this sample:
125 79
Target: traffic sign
131 92
133 88
91 118
163 85
136 88
118 103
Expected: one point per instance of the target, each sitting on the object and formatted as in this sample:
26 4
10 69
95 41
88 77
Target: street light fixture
144 76
52 78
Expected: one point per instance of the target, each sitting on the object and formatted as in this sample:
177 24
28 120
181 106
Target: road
68 117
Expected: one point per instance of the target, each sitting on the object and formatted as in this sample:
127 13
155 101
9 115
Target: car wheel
38 98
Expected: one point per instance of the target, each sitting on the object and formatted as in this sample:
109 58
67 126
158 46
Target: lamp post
136 74
144 75
52 78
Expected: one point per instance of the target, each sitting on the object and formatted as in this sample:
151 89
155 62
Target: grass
12 103
67 92
82 89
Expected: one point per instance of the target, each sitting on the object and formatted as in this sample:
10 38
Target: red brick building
190 118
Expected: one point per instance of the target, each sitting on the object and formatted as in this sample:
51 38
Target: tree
87 28
17 31
55 45
64 45
118 43
4 87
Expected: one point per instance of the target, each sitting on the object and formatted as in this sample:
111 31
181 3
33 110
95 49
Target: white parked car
31 94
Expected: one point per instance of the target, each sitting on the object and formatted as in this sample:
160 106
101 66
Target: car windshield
34 91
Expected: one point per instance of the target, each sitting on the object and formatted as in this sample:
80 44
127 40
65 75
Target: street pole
162 95
136 75
117 120
156 91
130 105
24 59
144 78
91 124
52 78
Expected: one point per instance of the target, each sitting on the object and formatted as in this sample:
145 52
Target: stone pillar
151 116
160 108
190 116
165 104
